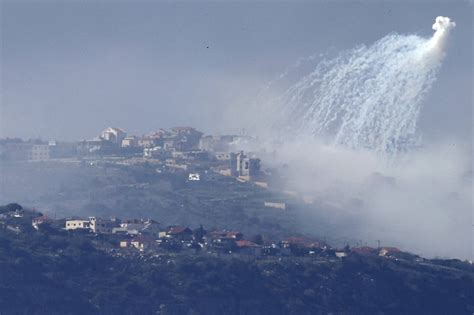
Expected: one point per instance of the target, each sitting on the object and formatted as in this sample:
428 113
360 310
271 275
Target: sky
69 69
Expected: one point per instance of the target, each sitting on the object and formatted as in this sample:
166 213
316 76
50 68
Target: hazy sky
70 69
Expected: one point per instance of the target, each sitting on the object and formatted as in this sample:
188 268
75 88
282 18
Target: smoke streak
369 97
337 127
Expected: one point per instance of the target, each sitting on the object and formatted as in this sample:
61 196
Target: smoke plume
369 97
348 131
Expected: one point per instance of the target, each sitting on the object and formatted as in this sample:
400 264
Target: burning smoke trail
369 97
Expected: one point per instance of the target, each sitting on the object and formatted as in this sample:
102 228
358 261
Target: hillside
47 272
80 189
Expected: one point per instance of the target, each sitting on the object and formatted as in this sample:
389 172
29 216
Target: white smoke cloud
367 101
442 26
422 204
369 97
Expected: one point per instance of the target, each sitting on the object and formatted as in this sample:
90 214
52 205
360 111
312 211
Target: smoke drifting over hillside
422 204
348 130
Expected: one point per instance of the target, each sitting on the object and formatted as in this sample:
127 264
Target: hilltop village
182 149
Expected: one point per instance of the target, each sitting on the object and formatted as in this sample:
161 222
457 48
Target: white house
114 135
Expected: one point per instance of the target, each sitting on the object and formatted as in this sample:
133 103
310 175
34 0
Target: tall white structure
114 135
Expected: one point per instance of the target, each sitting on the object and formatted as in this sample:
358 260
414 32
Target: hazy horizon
71 69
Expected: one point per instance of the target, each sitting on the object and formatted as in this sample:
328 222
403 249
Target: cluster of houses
180 149
176 139
146 235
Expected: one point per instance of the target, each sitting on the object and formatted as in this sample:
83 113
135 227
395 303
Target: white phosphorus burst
369 97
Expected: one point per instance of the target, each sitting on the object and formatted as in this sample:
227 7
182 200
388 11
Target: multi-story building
98 225
24 151
128 142
62 149
38 152
136 227
114 135
247 166
77 224
185 138
95 225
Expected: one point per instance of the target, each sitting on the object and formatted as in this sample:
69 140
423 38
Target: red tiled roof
245 243
301 241
178 229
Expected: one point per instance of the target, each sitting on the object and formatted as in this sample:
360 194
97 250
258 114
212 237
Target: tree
199 234
258 239
11 207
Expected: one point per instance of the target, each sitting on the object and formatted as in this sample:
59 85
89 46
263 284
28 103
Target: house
221 234
129 142
94 145
36 222
113 135
76 224
248 247
300 246
153 152
189 137
39 152
140 242
147 142
270 248
247 167
340 254
223 240
177 232
300 242
136 227
95 225
174 144
98 225
388 251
